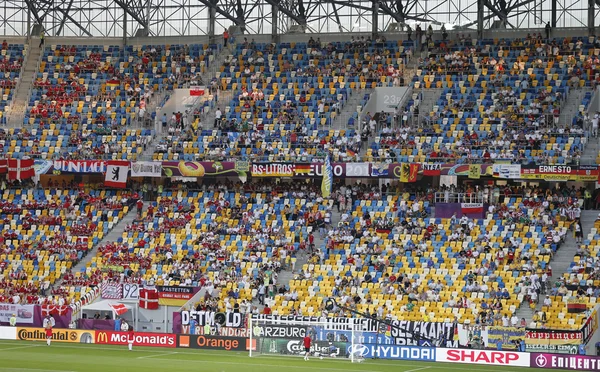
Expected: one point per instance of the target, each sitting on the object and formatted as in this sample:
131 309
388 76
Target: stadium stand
232 240
501 100
516 121
285 95
41 242
86 99
412 265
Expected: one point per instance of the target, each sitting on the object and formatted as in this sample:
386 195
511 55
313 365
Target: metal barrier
457 197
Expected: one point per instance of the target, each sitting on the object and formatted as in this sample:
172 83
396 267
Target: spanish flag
409 172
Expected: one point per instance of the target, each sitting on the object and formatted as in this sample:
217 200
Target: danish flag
149 299
120 309
20 169
54 309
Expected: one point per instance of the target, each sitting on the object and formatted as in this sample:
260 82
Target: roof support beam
287 12
230 17
135 13
62 23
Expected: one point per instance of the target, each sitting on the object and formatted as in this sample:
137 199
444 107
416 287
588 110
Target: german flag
302 169
113 83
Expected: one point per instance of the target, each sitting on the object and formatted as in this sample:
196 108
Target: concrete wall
156 320
180 101
594 103
386 99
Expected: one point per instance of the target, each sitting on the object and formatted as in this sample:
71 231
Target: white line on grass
261 364
156 355
18 347
417 369
200 353
32 369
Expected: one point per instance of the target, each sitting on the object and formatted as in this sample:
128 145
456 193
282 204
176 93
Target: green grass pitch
21 356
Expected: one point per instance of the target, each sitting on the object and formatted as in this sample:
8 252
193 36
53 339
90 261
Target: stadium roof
107 18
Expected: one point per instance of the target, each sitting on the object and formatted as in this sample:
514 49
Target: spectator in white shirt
218 115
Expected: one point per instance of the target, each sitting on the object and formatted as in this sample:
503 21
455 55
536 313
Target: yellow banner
475 171
504 335
172 301
58 335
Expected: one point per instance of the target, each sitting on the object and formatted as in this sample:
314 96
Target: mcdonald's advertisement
139 339
58 335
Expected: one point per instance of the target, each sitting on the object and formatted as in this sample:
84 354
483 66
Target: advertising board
58 335
470 356
561 361
214 342
393 352
140 339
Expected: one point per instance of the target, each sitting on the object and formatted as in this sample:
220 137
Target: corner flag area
21 356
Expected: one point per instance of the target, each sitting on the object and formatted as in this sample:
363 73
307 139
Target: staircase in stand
112 236
560 263
21 99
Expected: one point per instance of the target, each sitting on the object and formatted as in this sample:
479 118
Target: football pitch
21 356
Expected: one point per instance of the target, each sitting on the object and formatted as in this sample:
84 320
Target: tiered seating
167 67
427 266
228 239
85 98
66 142
274 142
45 233
278 90
497 101
11 60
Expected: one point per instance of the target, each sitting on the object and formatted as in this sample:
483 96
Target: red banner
196 91
468 208
140 339
431 169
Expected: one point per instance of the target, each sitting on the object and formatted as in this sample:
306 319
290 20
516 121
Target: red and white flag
116 173
149 299
119 309
54 309
20 169
468 208
3 166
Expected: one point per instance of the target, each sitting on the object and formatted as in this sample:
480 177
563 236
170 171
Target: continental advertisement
215 342
560 172
58 335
